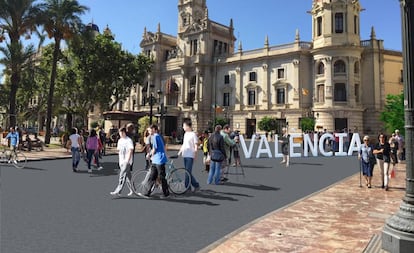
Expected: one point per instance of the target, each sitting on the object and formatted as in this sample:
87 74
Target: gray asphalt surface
48 208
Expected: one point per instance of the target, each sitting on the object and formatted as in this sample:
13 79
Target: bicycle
16 158
175 178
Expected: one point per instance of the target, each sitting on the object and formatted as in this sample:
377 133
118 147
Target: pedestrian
125 149
382 151
102 138
131 134
188 151
147 147
92 150
236 153
393 153
158 158
14 138
204 147
75 141
228 143
367 160
400 140
215 145
284 140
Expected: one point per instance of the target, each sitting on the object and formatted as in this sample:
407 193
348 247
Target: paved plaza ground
315 205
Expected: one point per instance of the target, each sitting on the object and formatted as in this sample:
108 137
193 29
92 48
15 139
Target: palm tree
61 22
17 18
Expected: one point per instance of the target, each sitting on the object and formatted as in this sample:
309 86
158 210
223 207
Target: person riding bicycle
13 135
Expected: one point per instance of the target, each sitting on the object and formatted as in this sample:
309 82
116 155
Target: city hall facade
338 79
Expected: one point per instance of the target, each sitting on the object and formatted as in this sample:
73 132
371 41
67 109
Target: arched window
339 67
356 68
321 68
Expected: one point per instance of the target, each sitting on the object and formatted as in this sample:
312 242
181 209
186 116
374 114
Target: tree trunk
15 79
69 119
51 91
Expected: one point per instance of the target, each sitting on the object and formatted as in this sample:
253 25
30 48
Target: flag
305 92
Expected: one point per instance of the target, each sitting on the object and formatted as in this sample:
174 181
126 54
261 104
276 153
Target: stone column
398 232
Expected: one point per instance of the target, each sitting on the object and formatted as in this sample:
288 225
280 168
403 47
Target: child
236 154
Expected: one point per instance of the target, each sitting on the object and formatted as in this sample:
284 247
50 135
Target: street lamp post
398 232
151 103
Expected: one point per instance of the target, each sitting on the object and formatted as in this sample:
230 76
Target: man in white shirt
125 147
189 151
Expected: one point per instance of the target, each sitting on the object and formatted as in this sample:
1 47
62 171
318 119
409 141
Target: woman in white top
76 144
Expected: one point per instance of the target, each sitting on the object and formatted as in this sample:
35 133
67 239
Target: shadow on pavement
31 168
256 166
254 187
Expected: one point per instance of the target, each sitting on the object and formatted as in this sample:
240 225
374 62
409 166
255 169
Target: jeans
188 165
157 170
75 157
124 175
214 173
89 154
384 168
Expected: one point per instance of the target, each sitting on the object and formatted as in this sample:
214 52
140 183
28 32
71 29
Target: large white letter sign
307 142
247 153
341 144
265 150
321 144
293 145
277 154
355 140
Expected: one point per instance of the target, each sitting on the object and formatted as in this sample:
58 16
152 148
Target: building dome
93 27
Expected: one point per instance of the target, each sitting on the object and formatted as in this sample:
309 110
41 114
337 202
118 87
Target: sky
252 20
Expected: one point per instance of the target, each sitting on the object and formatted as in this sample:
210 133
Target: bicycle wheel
139 181
19 160
176 181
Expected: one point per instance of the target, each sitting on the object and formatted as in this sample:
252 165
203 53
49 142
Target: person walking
14 138
204 147
382 151
159 158
228 142
400 140
215 144
125 148
188 151
92 150
131 134
147 147
284 140
365 156
393 154
75 147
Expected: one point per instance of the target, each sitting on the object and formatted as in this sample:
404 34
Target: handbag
372 159
217 156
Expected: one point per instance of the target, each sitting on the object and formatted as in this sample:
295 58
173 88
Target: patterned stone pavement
340 218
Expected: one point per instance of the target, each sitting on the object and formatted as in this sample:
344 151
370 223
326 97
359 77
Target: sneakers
130 194
100 168
196 189
144 196
75 169
14 161
115 194
90 171
282 162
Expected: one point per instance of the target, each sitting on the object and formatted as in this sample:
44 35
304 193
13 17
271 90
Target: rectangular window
357 92
252 97
356 24
321 93
402 76
340 92
280 73
226 99
226 79
280 96
194 47
319 26
339 22
252 76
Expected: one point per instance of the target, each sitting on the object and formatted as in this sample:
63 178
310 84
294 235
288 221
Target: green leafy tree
17 18
393 114
307 124
267 124
61 22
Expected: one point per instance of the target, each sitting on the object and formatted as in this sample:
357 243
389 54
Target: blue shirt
14 138
365 151
159 156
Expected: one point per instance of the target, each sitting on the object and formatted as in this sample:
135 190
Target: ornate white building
337 78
